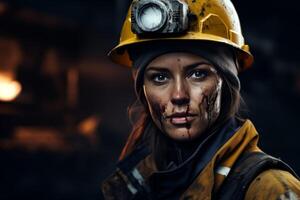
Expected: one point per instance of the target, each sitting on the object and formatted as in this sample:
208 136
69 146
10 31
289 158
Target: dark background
62 135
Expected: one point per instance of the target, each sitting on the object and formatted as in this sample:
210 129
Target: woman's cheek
156 106
209 101
213 101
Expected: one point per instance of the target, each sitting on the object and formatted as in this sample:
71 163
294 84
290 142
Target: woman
189 141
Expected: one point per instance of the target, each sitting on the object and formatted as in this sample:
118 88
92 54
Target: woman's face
183 93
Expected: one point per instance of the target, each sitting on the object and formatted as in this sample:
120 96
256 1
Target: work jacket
203 174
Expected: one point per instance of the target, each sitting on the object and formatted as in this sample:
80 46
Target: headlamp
151 17
159 16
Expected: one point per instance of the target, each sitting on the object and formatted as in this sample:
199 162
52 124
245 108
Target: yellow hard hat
209 20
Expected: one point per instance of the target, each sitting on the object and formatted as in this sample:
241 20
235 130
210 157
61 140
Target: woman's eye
159 78
198 74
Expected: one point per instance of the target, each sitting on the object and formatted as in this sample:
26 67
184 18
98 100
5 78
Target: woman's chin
181 133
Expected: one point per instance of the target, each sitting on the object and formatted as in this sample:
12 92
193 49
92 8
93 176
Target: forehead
182 58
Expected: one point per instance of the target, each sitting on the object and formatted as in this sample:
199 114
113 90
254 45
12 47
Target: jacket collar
212 176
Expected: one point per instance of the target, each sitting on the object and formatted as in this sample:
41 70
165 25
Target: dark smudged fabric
221 56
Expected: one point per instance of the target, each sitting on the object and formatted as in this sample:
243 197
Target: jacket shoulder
274 184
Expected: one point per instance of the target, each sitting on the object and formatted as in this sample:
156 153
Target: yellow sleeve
274 185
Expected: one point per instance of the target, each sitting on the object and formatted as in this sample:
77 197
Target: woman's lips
181 118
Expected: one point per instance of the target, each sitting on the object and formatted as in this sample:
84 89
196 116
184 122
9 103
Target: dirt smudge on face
202 113
188 125
163 111
212 108
159 113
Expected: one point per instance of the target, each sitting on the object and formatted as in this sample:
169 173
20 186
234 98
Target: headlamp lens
151 17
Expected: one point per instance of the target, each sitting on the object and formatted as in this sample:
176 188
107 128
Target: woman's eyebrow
157 68
191 66
187 67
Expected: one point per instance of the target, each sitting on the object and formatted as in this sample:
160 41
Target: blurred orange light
3 8
9 89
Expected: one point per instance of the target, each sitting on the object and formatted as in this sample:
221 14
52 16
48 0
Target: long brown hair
140 117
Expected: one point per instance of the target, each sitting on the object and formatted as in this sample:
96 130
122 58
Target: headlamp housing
159 16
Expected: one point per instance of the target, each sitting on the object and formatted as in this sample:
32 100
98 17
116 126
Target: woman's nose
180 94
